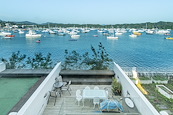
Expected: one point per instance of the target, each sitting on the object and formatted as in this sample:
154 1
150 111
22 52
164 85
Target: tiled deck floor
66 104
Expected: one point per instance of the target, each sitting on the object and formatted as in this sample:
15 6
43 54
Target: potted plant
116 87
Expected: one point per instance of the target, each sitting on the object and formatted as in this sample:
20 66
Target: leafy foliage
116 87
99 60
15 61
39 61
18 60
71 60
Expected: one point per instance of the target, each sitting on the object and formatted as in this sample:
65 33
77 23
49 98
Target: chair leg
55 101
69 92
78 103
94 106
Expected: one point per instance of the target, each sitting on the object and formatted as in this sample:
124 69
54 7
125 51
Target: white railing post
2 66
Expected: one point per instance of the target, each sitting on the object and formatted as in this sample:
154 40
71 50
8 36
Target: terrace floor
66 104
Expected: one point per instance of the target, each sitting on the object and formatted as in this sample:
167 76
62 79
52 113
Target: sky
87 11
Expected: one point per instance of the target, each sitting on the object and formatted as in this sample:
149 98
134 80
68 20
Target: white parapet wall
36 104
2 66
165 91
130 90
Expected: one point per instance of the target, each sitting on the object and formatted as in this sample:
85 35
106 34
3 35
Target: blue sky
87 11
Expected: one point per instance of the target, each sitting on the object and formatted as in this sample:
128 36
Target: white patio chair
59 79
78 99
54 95
109 92
96 101
66 88
96 88
87 88
78 92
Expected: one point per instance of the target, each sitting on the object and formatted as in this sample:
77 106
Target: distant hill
26 23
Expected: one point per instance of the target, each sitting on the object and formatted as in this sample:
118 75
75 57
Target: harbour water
145 51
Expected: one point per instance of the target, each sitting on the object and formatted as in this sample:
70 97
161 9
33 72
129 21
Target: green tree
39 61
71 60
15 61
99 60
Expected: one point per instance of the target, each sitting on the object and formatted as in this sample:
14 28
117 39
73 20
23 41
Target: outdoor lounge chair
96 101
54 95
66 88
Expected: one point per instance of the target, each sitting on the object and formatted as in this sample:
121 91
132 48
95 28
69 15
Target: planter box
165 91
143 81
159 81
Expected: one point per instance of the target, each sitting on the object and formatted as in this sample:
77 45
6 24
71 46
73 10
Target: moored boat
133 35
169 38
4 33
10 36
75 36
137 33
38 41
112 37
95 35
31 33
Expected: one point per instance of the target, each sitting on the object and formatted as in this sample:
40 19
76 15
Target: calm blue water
144 51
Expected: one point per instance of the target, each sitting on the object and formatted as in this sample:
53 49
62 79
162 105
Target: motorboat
21 32
72 40
32 33
149 32
95 35
9 36
4 33
61 34
133 35
137 33
75 36
169 38
118 33
73 33
162 31
38 41
112 37
52 32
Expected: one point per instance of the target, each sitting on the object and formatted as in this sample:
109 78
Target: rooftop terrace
66 105
36 104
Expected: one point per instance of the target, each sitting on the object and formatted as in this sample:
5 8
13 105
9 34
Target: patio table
58 84
129 102
90 94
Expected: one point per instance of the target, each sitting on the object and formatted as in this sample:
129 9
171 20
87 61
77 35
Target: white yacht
75 36
21 31
4 33
32 33
133 35
113 35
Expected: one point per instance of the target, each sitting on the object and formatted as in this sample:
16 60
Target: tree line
147 25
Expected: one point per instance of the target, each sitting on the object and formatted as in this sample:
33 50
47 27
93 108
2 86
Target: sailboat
113 36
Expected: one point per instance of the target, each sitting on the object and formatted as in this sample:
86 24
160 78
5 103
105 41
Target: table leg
83 102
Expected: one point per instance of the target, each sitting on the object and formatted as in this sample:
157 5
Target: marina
143 51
